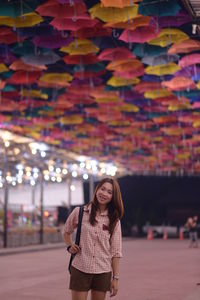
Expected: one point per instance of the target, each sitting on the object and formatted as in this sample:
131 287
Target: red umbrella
23 77
117 53
7 36
147 86
74 25
80 59
54 9
139 35
97 30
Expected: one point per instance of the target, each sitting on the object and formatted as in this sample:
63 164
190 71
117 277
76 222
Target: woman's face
104 194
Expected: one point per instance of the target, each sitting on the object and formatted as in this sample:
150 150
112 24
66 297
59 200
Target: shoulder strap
78 233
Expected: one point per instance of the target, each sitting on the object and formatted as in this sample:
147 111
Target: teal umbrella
159 8
142 50
16 8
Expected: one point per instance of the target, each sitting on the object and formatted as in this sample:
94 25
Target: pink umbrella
188 60
140 34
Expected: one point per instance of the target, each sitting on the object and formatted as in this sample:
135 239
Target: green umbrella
16 8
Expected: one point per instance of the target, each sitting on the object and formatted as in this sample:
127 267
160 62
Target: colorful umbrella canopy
116 80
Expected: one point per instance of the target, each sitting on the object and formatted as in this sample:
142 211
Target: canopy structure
113 81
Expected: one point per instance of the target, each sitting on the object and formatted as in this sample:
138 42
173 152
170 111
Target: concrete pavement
150 270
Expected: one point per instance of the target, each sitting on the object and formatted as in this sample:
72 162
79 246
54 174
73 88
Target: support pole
41 209
5 218
69 181
91 186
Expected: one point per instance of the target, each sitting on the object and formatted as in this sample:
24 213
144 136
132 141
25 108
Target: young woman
96 264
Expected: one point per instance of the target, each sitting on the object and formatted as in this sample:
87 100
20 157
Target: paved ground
150 270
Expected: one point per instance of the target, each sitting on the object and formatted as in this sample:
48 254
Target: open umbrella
159 8
117 53
113 14
136 22
143 50
80 59
170 68
160 59
118 3
80 47
16 8
40 59
139 35
188 60
168 36
185 46
172 21
69 24
179 83
51 41
27 20
56 9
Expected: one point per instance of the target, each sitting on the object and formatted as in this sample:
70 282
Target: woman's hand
113 287
74 249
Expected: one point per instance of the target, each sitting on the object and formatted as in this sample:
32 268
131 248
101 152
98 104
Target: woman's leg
97 295
77 295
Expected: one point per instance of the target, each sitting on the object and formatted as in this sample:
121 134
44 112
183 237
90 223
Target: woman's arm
115 276
73 249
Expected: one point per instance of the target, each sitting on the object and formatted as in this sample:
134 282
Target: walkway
150 270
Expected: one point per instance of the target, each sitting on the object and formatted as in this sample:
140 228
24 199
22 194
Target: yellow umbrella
128 108
118 3
3 68
80 47
27 20
114 14
56 78
34 94
198 85
71 120
180 106
170 68
107 100
119 123
157 94
169 36
118 81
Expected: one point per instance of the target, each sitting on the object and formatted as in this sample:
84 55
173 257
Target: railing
18 237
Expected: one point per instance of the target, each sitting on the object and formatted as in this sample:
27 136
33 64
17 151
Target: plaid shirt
97 246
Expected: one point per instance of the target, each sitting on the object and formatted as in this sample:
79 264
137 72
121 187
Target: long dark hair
115 206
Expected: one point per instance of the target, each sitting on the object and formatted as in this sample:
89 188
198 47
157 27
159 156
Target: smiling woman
96 264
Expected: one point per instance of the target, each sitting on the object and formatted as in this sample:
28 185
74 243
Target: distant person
96 264
191 226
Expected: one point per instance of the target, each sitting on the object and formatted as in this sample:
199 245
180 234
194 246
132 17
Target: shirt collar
88 207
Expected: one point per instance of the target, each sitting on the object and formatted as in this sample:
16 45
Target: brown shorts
80 281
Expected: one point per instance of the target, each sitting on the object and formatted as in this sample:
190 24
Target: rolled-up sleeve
116 241
71 222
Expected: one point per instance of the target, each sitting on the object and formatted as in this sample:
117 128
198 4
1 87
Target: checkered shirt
97 246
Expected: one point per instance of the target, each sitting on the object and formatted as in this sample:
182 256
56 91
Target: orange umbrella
137 22
186 46
179 83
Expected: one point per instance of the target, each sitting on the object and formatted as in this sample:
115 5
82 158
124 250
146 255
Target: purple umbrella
171 21
53 41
